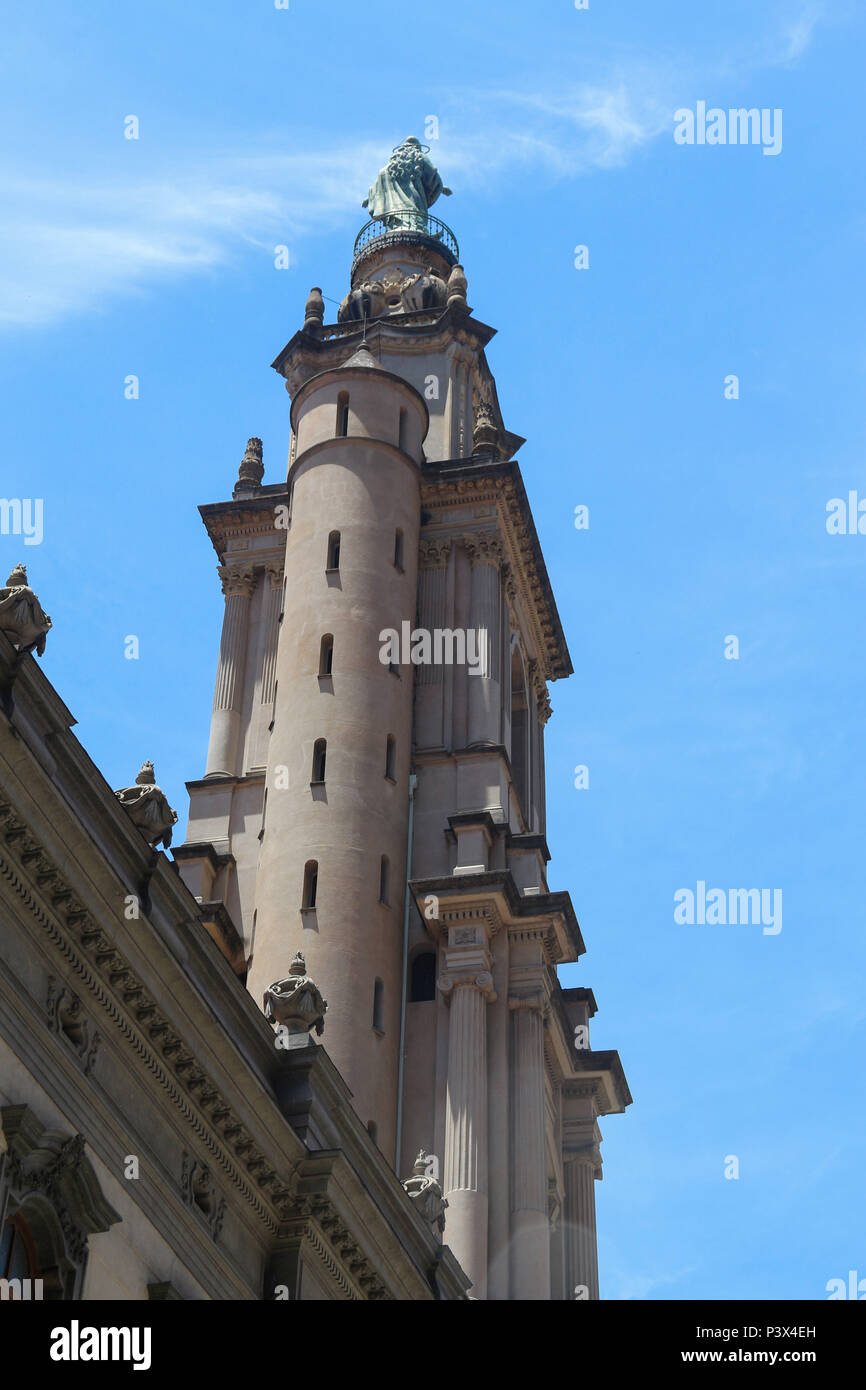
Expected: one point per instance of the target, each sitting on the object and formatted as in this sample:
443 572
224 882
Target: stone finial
484 432
314 309
148 808
295 1003
252 469
457 287
425 1193
22 617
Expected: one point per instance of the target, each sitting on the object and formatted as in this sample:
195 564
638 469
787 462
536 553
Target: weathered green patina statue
406 188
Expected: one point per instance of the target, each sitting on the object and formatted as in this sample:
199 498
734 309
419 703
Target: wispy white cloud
74 243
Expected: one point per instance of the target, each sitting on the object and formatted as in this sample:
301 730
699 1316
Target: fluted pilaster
465 1168
485 552
238 586
530 1270
581 1251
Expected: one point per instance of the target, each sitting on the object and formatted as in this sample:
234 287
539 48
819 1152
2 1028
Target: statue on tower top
406 188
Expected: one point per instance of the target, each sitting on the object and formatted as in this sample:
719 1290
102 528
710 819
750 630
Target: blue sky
155 257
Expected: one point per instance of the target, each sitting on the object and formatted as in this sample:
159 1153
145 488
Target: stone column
238 584
485 552
468 990
530 1229
581 1252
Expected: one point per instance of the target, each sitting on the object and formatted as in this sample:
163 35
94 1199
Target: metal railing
411 226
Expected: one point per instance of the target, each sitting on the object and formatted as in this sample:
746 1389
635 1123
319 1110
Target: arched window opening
390 757
320 749
17 1251
379 1006
383 880
398 549
422 979
342 415
333 561
326 655
311 883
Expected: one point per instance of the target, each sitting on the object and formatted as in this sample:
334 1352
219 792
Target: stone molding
108 976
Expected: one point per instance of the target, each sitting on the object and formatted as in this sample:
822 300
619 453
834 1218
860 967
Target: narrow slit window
379 1006
342 415
383 880
311 883
333 562
398 549
320 749
326 655
390 757
401 431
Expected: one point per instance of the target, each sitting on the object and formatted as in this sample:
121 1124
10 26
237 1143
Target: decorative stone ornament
366 301
314 309
252 469
425 1193
457 287
484 433
148 807
22 617
295 1003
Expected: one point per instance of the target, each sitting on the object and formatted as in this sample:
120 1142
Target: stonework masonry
446 1018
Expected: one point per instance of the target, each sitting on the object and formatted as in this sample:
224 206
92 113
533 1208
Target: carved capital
485 548
435 551
237 579
456 978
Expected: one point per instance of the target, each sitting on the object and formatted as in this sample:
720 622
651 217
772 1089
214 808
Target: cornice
142 1026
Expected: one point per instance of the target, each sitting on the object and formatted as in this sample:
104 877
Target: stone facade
154 1142
431 930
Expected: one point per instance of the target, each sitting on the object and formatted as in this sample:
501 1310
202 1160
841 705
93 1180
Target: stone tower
374 794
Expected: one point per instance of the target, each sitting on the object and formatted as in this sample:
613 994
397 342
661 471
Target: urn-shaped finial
457 287
314 309
252 469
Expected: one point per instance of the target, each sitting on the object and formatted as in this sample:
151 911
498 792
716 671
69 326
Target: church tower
374 794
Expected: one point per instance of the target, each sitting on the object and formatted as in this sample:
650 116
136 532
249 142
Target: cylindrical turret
333 861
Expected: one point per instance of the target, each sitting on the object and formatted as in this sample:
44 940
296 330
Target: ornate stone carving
484 432
54 1166
152 1040
435 551
423 290
148 808
484 548
237 579
366 301
252 469
198 1191
66 1017
425 1193
295 1002
22 617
